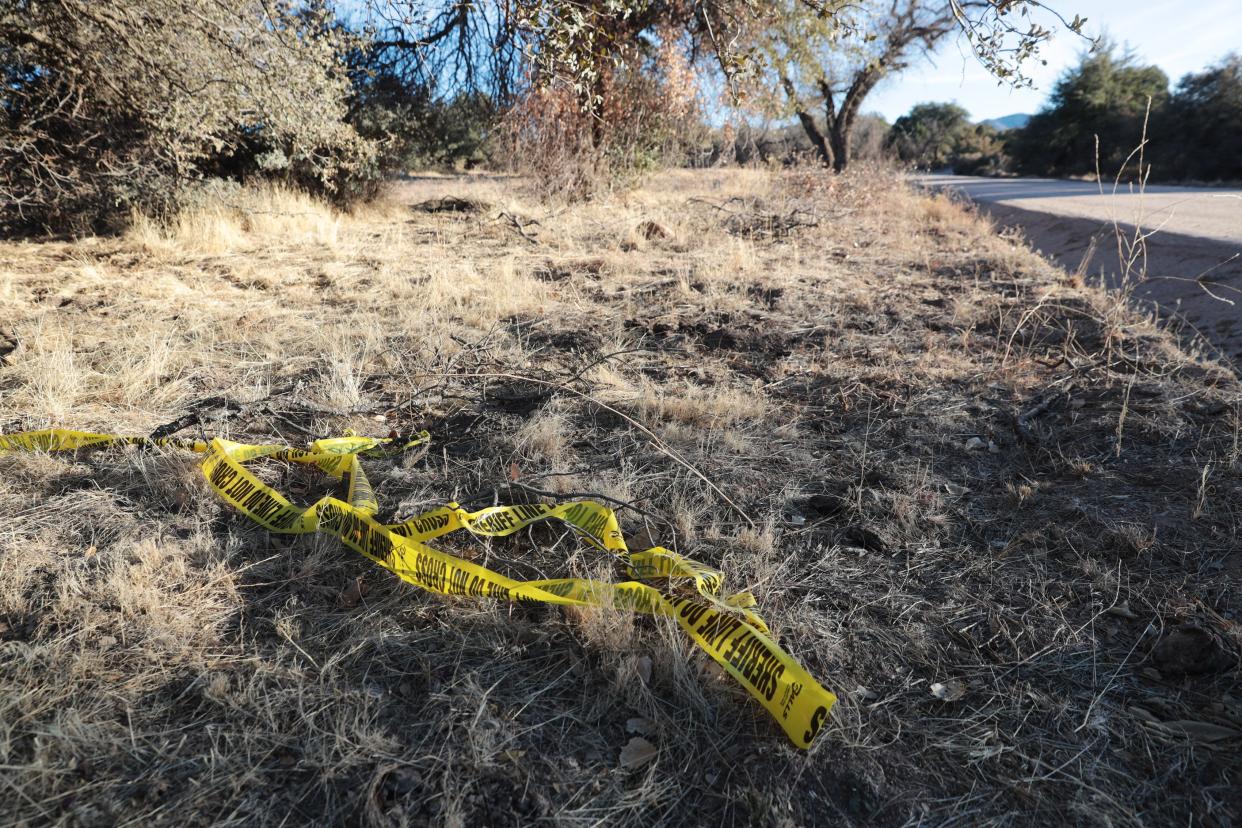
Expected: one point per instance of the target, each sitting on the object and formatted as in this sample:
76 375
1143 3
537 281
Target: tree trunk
840 137
822 148
843 124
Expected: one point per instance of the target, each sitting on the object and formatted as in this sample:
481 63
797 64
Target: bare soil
996 512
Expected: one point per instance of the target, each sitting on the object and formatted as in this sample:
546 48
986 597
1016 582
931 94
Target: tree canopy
1105 98
808 63
1109 97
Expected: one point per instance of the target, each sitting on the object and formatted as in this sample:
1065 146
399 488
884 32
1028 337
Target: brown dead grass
163 661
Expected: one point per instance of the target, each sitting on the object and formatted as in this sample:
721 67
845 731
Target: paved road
1205 212
1193 269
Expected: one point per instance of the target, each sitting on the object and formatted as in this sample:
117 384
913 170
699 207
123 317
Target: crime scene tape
724 627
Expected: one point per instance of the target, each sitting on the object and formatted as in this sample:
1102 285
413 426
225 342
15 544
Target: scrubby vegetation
114 107
994 511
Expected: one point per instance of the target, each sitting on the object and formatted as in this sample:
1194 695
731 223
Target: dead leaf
956 490
637 752
641 541
107 641
514 472
1123 610
91 551
642 666
715 671
949 691
352 595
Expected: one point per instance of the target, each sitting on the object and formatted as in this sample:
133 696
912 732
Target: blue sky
1179 37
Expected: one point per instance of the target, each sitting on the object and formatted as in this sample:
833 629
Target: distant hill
1014 121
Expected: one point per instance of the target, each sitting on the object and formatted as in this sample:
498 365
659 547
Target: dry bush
220 220
638 119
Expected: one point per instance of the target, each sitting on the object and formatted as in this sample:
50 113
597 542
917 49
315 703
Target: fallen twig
516 224
660 445
1023 420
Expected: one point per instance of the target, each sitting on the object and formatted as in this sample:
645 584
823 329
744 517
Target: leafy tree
930 134
832 63
837 50
980 150
411 124
111 104
1199 132
934 135
1106 97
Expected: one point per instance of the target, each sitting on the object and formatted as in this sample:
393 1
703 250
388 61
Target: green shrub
1099 106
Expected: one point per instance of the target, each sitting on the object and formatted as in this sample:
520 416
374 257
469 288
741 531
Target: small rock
1188 650
642 666
8 344
1122 610
826 505
976 444
993 448
107 641
956 490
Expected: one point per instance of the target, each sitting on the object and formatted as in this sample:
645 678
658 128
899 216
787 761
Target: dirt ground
995 511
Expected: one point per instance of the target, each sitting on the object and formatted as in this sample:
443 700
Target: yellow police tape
725 627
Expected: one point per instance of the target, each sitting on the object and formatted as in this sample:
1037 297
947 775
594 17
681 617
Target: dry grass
958 469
